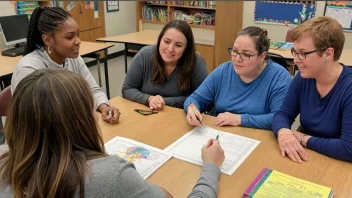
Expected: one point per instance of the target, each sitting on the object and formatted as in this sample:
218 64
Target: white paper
342 15
237 148
147 159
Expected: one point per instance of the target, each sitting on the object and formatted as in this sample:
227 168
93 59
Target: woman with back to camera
166 73
53 42
56 149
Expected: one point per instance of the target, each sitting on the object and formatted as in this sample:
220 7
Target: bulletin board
341 11
284 12
26 7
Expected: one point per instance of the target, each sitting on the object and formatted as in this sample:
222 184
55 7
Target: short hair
325 31
259 37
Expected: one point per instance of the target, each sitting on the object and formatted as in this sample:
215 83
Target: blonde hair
51 133
325 31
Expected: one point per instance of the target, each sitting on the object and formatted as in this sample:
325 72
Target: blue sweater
327 119
256 101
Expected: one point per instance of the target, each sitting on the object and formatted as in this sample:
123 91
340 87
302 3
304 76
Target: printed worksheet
237 148
147 159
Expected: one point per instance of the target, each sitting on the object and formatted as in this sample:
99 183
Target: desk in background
346 56
179 177
149 37
8 63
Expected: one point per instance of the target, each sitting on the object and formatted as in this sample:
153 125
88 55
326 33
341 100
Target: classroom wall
278 32
120 22
116 23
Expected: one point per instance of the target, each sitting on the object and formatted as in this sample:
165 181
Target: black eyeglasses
302 55
243 55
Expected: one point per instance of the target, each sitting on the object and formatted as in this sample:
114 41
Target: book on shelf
199 18
157 2
205 4
274 184
154 13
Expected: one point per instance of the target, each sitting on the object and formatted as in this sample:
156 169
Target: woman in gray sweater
166 73
53 42
56 149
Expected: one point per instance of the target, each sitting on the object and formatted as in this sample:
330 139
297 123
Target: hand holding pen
194 117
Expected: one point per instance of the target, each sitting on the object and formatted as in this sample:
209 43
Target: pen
196 115
217 137
111 114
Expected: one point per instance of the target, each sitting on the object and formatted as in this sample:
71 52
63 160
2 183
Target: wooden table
143 38
179 177
346 56
8 63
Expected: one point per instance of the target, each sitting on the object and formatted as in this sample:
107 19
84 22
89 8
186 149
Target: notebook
273 184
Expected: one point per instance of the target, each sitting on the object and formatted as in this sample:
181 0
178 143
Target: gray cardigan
138 84
112 176
39 59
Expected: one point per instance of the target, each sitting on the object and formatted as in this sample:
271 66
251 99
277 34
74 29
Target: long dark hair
187 61
51 133
44 20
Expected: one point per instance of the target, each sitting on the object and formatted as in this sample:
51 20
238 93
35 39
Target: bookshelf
199 14
224 20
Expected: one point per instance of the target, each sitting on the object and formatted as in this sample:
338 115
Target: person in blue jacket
321 93
245 91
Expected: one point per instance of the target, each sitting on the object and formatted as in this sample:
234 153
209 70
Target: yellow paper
279 185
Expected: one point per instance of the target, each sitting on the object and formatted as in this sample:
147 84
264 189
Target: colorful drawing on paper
135 153
147 159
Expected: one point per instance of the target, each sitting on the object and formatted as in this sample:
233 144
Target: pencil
196 115
217 137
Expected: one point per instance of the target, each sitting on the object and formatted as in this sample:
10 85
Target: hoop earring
49 51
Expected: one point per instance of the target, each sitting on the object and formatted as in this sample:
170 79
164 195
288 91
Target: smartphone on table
145 112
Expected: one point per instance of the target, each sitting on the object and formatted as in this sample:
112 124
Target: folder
274 184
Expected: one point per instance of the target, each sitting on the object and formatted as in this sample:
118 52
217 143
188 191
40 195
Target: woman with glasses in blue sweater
321 93
245 91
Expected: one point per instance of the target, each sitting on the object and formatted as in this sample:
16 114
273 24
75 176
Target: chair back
289 35
278 59
5 98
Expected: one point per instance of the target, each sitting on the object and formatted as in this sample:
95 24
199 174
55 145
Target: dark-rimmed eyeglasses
243 55
302 55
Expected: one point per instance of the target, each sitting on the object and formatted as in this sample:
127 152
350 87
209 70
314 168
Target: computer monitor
14 28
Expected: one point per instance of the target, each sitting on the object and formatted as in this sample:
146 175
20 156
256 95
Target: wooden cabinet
207 53
91 25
